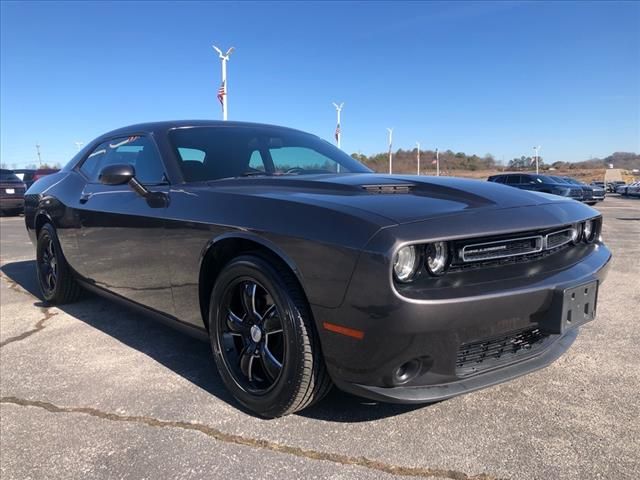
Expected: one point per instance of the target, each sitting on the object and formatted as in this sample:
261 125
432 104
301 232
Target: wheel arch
222 249
41 218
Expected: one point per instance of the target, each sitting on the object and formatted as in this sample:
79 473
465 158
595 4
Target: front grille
502 248
493 352
557 239
575 192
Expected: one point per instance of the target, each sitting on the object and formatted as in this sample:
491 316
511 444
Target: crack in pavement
16 287
39 326
253 442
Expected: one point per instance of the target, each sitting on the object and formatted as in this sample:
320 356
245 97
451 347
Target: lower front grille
490 353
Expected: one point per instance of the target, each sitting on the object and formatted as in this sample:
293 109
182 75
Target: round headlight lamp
437 258
405 263
576 233
589 231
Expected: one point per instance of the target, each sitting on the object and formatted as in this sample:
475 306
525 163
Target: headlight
564 192
576 233
589 231
437 257
405 263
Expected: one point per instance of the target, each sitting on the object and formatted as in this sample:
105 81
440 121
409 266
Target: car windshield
545 179
212 153
8 176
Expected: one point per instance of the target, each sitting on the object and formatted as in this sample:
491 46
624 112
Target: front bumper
437 392
430 325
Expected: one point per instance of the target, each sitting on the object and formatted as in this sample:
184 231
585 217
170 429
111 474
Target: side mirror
118 174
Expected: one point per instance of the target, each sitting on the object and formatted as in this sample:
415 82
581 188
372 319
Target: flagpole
390 130
224 59
338 128
418 144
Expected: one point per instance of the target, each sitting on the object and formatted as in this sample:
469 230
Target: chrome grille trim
487 247
500 248
548 244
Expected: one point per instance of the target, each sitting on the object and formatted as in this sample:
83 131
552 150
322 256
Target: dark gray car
304 269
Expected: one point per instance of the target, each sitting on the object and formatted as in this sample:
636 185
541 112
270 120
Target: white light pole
418 144
39 158
79 145
390 130
535 150
222 91
338 129
437 163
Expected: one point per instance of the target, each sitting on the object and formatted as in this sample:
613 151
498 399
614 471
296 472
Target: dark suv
11 193
539 183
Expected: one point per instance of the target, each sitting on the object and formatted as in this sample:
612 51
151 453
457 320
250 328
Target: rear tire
55 278
252 299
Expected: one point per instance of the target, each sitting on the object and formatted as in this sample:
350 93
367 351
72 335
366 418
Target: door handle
84 198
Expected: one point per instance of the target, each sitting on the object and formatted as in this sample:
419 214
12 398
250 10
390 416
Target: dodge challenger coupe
304 269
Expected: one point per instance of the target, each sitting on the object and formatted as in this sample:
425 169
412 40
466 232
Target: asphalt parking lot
94 390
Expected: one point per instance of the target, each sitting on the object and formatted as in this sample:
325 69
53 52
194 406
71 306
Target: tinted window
499 179
191 154
513 179
8 176
544 179
239 151
137 151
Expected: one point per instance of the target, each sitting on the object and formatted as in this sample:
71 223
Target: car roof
165 125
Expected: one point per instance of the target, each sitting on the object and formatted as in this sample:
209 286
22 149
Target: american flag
222 91
337 132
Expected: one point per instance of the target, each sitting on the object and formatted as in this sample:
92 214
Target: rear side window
8 176
513 180
498 179
135 150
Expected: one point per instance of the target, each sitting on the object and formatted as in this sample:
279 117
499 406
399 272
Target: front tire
263 338
55 278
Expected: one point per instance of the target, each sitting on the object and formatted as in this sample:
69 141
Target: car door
122 233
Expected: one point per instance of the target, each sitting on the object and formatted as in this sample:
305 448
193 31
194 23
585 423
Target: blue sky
475 77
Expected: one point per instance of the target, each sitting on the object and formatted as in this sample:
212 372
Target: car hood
399 199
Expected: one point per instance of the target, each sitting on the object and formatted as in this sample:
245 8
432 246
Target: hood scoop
387 188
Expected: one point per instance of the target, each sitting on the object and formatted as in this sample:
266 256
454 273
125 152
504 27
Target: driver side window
134 150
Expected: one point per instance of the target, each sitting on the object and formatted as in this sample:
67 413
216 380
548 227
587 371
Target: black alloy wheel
55 278
252 335
263 337
48 266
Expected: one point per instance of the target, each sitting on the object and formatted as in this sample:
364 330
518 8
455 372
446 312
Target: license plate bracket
571 308
579 305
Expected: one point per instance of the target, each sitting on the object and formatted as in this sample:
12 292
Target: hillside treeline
404 161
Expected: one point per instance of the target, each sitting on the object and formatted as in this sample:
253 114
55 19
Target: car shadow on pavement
184 355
